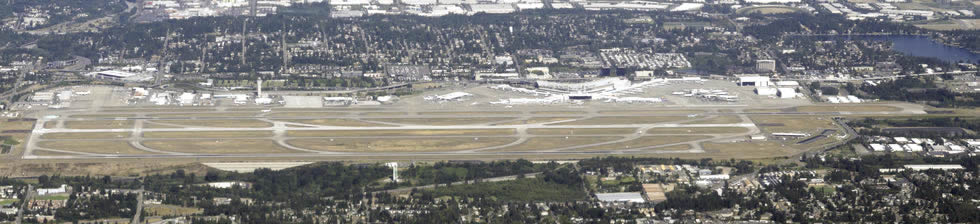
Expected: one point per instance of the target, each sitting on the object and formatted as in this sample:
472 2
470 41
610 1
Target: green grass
825 189
521 190
52 197
4 202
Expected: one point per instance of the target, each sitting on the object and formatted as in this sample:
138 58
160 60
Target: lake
920 46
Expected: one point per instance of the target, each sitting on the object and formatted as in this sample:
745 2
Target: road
27 199
139 205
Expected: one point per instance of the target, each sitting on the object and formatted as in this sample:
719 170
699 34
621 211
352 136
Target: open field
335 122
183 115
304 114
806 124
723 119
442 121
170 210
646 142
6 125
478 132
625 120
400 144
847 108
715 130
98 124
232 123
536 120
546 143
208 134
86 135
99 147
383 113
469 113
101 115
151 110
648 112
580 131
234 146
558 112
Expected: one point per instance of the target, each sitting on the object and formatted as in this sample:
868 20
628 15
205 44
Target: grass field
151 110
400 144
580 131
383 114
222 114
442 121
545 143
349 133
114 124
101 115
100 147
712 130
208 134
763 110
563 112
305 114
723 119
4 202
625 120
650 112
470 113
335 122
746 150
170 210
536 120
16 125
63 196
232 146
646 142
848 108
235 123
806 124
85 135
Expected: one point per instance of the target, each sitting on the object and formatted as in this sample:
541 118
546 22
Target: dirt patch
434 132
208 134
646 142
625 120
580 131
399 144
85 135
232 146
99 146
546 143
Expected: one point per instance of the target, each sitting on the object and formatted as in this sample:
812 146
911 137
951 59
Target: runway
280 125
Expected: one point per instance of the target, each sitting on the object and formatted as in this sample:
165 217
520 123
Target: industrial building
786 93
754 80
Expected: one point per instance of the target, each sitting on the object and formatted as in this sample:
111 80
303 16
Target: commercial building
920 167
632 197
765 65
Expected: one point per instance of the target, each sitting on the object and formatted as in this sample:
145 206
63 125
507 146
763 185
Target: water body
919 46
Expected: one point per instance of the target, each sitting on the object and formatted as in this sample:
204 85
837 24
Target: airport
659 117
